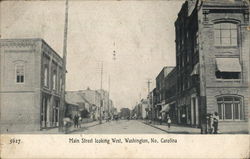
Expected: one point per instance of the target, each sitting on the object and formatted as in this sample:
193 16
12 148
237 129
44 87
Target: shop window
20 73
225 34
230 108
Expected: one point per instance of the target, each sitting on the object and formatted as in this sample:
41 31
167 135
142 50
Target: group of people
213 122
77 121
168 120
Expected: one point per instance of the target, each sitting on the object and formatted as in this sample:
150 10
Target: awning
165 108
195 70
228 64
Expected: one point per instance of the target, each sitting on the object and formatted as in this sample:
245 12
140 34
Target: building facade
31 85
161 106
212 57
94 97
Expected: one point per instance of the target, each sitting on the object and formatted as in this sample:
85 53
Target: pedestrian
183 117
169 122
80 121
210 123
215 122
160 120
75 121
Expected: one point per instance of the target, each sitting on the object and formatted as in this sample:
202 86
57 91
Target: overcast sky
143 33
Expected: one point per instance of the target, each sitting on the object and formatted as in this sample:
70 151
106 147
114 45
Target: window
228 68
225 34
227 75
230 108
45 76
19 73
54 81
60 84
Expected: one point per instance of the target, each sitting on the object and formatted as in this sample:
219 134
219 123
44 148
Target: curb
155 127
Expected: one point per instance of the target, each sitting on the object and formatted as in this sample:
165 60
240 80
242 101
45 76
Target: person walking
169 122
75 121
215 122
160 119
80 121
210 123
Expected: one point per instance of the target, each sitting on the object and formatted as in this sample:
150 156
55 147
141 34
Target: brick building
161 106
170 95
212 57
31 84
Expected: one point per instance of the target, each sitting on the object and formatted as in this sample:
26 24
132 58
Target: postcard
124 79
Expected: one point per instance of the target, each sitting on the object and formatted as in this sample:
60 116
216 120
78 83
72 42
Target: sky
142 34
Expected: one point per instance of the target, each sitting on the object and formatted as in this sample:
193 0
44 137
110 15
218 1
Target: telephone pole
62 103
149 82
149 105
108 96
101 95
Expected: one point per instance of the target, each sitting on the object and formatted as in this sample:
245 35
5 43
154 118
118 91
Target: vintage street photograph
124 67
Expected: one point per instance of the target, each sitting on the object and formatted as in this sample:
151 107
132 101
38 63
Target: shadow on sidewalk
163 127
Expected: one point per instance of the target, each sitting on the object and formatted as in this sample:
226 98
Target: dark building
170 95
125 113
212 57
160 92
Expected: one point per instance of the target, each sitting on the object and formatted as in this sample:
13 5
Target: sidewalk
174 129
180 129
70 129
83 126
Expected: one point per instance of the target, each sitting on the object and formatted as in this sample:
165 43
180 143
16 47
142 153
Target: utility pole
62 103
149 107
202 76
108 96
149 82
101 95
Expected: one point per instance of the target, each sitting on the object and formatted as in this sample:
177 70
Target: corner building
212 57
31 85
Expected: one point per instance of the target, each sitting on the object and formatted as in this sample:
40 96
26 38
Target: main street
119 127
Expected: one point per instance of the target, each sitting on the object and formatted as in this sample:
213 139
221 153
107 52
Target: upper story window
45 76
228 68
20 73
54 81
225 34
230 108
60 84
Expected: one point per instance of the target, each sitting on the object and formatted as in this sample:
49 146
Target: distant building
125 113
71 109
83 105
105 102
144 108
31 85
94 97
